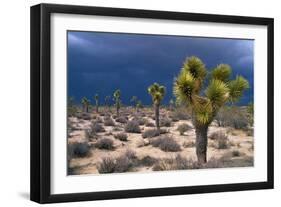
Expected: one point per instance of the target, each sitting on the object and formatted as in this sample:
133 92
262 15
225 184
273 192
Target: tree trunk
201 143
157 116
97 107
117 110
87 108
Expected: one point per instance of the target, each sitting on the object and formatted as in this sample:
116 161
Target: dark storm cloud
102 62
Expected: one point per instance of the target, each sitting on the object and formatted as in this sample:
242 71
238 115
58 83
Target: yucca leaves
196 67
157 92
203 109
217 92
222 72
236 88
188 85
184 86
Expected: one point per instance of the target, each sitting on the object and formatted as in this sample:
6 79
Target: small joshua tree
85 104
116 98
157 93
96 97
134 101
188 90
139 105
107 102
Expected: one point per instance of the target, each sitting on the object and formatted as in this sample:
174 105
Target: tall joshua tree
139 105
188 89
116 98
134 101
96 97
157 93
85 104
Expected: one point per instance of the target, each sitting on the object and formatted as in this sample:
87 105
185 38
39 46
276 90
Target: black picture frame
41 96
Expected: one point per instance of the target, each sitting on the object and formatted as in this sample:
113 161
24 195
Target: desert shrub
221 138
104 143
150 133
165 122
122 163
213 163
250 132
217 135
84 115
72 110
177 163
99 120
97 127
141 121
183 128
107 165
117 129
132 127
180 114
78 149
189 144
236 153
166 143
150 124
108 121
131 154
147 161
121 136
223 142
122 119
232 117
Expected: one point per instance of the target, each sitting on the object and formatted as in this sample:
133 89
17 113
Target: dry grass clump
84 116
182 128
165 122
177 163
122 163
104 143
99 120
166 143
133 127
121 136
141 121
78 149
122 119
149 133
149 124
96 127
188 144
108 121
180 114
147 161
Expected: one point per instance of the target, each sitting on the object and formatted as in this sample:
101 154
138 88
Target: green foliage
188 86
222 72
85 103
157 93
236 88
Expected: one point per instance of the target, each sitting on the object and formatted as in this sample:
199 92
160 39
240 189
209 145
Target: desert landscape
102 142
143 103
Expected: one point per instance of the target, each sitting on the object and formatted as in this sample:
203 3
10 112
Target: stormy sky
103 62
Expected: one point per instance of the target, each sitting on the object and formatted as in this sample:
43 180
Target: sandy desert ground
104 143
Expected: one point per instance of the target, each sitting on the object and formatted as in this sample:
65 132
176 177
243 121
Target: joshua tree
107 101
134 101
116 98
96 97
139 105
157 93
188 88
85 104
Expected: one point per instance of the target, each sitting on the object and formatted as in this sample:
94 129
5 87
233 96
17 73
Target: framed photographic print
133 103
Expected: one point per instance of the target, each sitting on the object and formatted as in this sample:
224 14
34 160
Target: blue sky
103 62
